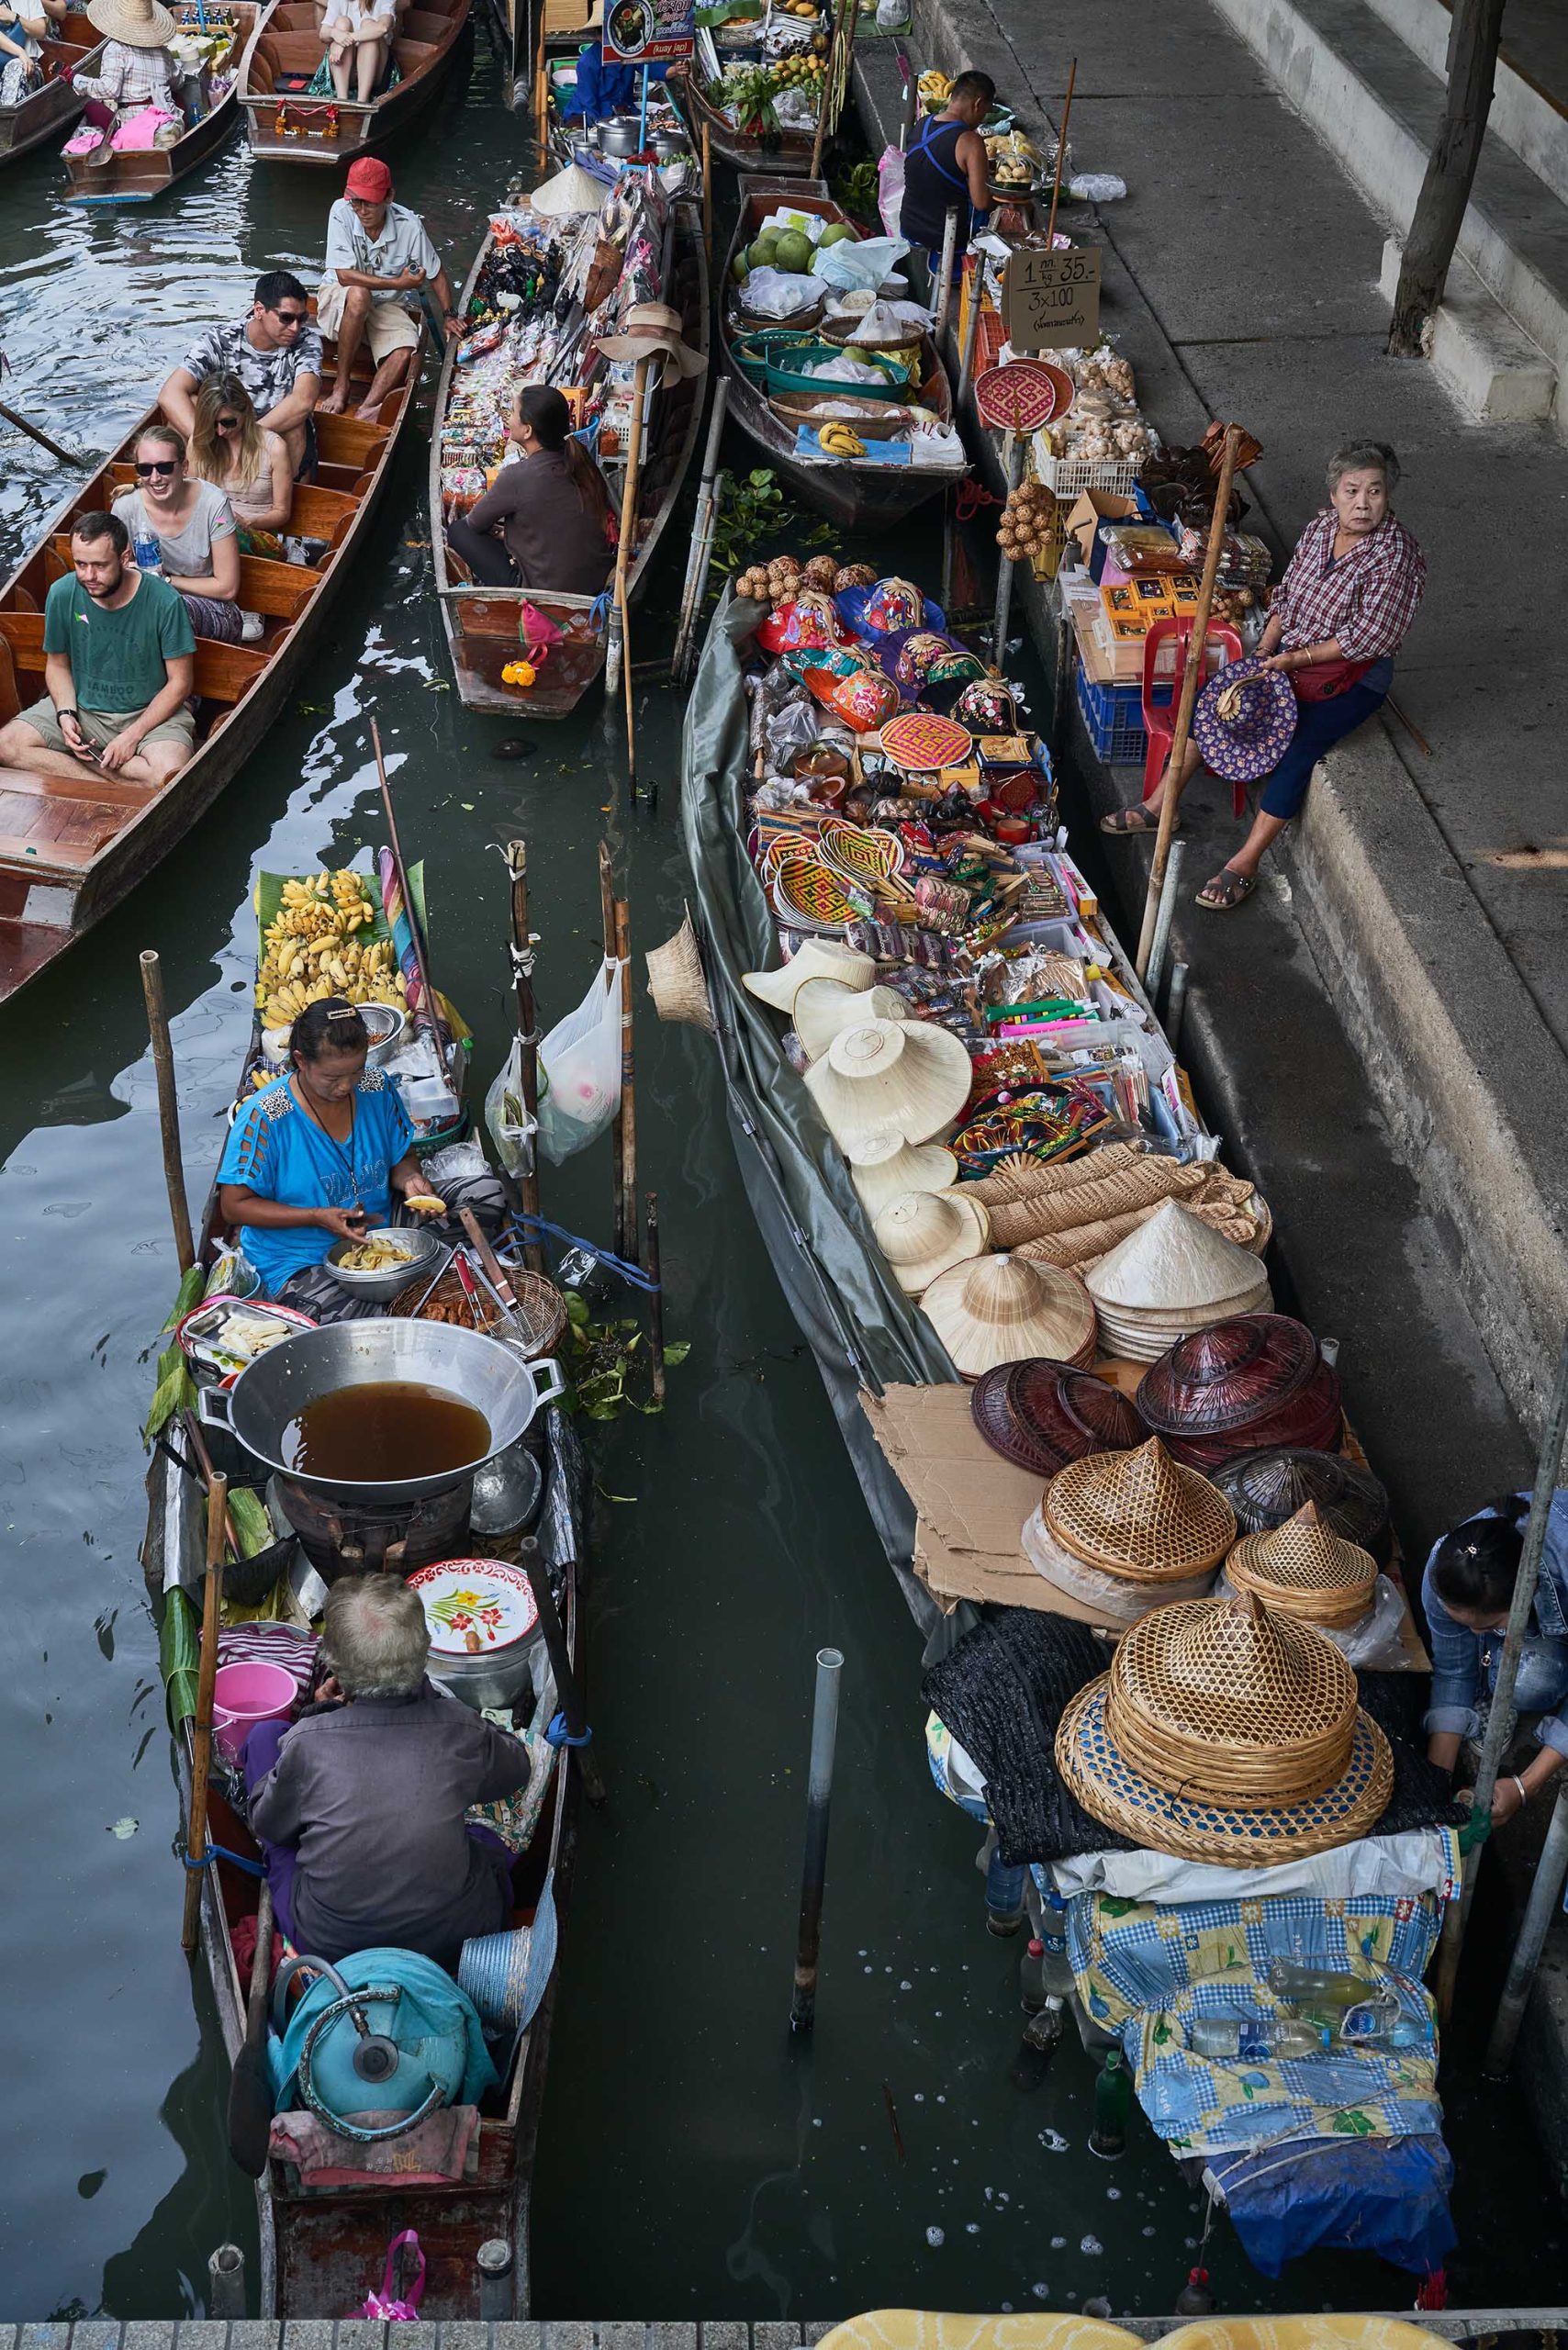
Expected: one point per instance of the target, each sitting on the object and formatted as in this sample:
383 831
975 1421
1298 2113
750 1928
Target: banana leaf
192 1283
179 1657
174 1392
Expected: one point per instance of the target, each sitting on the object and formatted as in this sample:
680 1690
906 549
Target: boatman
946 166
378 252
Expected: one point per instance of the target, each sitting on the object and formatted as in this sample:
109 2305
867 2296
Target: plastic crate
1070 478
1114 716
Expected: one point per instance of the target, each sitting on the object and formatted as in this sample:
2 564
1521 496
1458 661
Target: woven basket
871 421
1140 1514
1303 1569
676 980
1023 1177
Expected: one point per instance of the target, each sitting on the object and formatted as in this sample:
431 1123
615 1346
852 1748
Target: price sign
1050 301
649 32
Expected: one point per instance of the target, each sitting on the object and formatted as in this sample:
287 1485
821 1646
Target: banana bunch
837 440
935 89
313 949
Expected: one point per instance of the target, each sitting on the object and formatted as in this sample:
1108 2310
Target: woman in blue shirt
316 1157
1466 1591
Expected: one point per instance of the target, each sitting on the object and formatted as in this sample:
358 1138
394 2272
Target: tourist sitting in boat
233 449
945 168
24 29
135 71
119 667
185 528
321 1155
1466 1593
275 351
546 521
360 1809
359 36
378 252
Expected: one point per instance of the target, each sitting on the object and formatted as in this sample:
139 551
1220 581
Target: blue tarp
1383 2195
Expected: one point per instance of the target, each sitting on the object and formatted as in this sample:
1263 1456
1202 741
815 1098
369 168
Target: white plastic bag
889 188
779 292
862 264
512 1128
579 1069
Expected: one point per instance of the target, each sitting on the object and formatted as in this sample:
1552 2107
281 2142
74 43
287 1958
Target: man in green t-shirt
119 659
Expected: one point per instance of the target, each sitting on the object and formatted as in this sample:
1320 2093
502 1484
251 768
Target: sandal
1226 890
1122 824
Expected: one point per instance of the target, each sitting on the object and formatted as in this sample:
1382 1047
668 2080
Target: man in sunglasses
275 352
119 667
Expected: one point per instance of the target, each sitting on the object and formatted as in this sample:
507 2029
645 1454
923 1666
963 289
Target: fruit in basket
837 232
738 269
761 253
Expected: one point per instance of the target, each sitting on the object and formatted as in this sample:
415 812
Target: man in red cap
378 251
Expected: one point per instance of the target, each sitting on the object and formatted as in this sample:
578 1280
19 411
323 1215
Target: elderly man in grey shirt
359 1810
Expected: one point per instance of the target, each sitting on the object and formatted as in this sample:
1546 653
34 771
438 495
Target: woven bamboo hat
1000 1309
1140 1514
886 1167
1116 1599
1303 1569
1175 1273
824 1008
139 24
819 958
676 980
1223 1732
925 1233
900 1076
1265 1488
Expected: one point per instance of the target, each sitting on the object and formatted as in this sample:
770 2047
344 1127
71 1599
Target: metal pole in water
1176 1007
1545 1894
1162 921
226 2282
1014 451
944 302
493 2261
813 1867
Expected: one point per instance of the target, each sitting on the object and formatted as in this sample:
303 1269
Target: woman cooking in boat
326 1154
546 522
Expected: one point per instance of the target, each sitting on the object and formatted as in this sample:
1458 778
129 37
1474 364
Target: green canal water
691 2161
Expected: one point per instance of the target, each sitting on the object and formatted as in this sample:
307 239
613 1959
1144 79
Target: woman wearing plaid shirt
1350 593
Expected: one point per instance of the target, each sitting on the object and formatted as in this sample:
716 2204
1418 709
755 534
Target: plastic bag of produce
889 188
858 262
512 1128
780 294
579 1069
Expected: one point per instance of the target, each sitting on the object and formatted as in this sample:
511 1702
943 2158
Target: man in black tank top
945 165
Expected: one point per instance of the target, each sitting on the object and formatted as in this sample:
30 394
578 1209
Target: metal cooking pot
617 136
277 1387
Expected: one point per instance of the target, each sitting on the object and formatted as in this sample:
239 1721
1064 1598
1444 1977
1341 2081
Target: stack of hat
885 1169
891 1077
1247 1384
1041 1414
1265 1488
1175 1273
1123 1532
824 1008
1305 1569
819 958
926 1232
1224 1733
1000 1309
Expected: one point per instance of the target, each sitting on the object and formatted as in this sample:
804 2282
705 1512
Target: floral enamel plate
475 1604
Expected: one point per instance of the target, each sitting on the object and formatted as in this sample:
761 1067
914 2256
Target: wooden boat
856 495
137 179
783 153
55 106
70 847
285 50
320 2251
482 623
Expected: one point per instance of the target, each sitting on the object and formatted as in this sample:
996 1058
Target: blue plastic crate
1114 716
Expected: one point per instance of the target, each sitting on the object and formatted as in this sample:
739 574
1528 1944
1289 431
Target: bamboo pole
828 82
633 1250
426 991
36 432
201 1756
528 1033
1061 154
1014 451
707 193
607 928
976 269
623 551
168 1107
1192 672
655 1300
701 554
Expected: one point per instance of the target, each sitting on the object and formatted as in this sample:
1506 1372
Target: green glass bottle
1113 2104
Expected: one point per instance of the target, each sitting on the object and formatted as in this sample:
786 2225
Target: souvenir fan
926 1232
806 894
987 706
1173 1274
1225 1732
1003 1309
1045 1122
889 1077
920 741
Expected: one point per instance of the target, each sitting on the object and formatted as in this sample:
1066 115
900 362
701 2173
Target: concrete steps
1501 340
1525 114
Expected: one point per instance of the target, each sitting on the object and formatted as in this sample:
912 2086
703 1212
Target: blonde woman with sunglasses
184 529
233 449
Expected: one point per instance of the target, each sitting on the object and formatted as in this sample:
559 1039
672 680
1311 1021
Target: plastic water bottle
1053 1935
1318 1987
1004 1894
147 552
1252 2039
1112 2105
1031 1977
1042 2036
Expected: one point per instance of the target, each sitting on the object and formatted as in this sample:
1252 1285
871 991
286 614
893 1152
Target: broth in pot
384 1432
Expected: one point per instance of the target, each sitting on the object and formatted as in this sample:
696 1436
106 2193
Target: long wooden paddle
250 2085
201 1757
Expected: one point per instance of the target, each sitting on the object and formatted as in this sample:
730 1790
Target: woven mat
1035 1178
1081 1245
1001 1693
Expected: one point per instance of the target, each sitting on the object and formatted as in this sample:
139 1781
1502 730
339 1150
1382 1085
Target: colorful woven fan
806 893
858 853
921 741
1018 398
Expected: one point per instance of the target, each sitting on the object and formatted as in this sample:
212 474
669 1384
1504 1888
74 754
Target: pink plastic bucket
244 1695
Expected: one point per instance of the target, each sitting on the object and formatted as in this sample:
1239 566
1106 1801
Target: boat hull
56 106
142 178
325 133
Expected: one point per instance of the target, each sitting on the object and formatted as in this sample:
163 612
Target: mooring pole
226 2282
813 1867
1545 1894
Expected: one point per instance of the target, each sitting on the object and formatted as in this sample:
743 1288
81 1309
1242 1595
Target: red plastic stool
1221 645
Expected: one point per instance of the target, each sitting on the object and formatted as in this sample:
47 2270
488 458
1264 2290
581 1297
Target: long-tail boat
287 126
136 177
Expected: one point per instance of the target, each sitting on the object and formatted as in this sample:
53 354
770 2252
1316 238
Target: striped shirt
132 77
1367 599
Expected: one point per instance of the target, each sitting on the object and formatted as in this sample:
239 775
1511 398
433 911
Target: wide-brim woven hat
819 958
1115 1599
650 330
1265 1488
926 1232
1313 1418
824 1008
139 24
1042 1415
1140 1514
1305 1569
1226 1376
1224 1732
1000 1309
887 1169
903 1076
1243 719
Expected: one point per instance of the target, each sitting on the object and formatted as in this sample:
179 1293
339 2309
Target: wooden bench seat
222 671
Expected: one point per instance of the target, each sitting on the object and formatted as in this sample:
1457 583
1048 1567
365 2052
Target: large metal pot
618 137
277 1387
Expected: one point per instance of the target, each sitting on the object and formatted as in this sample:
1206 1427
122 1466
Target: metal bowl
386 1023
422 1250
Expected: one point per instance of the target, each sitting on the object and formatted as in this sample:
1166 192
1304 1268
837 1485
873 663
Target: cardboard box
1084 518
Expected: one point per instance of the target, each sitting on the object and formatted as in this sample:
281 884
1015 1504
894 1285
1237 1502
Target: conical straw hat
140 24
887 1169
1118 1600
1173 1262
819 958
926 1232
676 980
891 1076
573 190
1224 1733
1002 1309
1140 1514
824 1008
1303 1569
